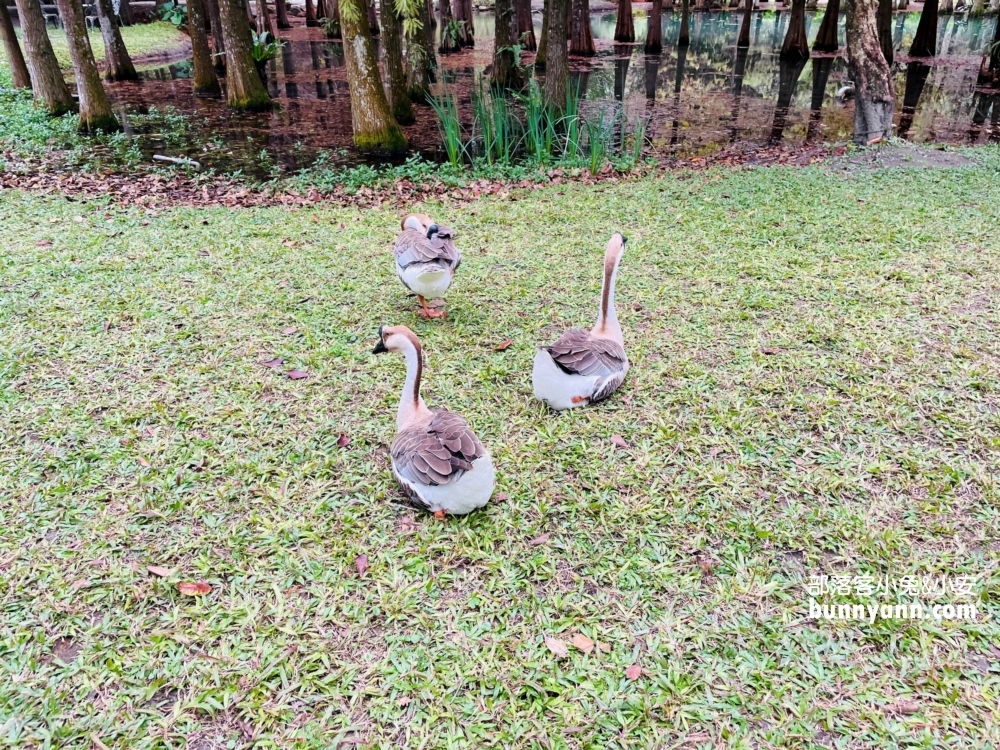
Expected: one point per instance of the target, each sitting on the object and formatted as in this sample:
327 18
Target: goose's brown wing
413 247
436 452
577 352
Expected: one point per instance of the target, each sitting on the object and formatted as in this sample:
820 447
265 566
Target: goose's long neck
607 320
410 404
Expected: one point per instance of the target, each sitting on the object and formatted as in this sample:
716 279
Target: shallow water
697 101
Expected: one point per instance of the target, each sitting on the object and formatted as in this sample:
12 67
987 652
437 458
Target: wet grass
814 390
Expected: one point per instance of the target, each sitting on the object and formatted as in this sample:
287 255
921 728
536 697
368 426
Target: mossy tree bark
543 38
244 89
684 37
218 43
556 57
581 35
449 40
925 40
205 79
18 68
375 129
281 10
463 14
419 56
744 38
95 107
505 65
47 80
654 32
392 50
625 25
884 25
874 97
796 46
826 37
525 26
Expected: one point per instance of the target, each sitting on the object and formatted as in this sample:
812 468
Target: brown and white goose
436 458
583 367
426 260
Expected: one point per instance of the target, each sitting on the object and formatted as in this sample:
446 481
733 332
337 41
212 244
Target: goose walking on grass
426 260
583 367
436 458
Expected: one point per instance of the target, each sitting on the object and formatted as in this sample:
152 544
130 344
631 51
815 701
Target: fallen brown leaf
143 462
902 706
158 570
770 350
556 646
582 642
715 452
43 243
343 441
361 563
633 672
620 442
194 588
503 345
605 647
290 330
274 364
539 540
297 374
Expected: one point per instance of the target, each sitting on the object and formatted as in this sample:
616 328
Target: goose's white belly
556 387
428 280
470 492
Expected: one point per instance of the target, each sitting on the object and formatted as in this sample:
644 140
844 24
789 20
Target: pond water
696 101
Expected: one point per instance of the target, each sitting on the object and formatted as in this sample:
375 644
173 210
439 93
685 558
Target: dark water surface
697 101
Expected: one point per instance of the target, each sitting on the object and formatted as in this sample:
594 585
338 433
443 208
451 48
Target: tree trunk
125 13
375 129
796 46
989 74
372 18
205 80
525 26
310 14
556 59
47 80
244 89
118 64
654 31
625 25
419 56
744 40
916 77
264 20
446 23
463 16
874 98
925 40
820 75
582 36
826 37
884 25
218 44
622 58
392 50
281 7
18 68
946 8
95 107
684 37
331 12
789 71
543 39
505 70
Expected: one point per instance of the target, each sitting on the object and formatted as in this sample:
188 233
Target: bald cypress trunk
244 89
18 68
989 74
556 58
625 25
543 38
449 40
205 80
884 25
392 49
281 9
95 107
264 20
463 15
118 65
581 36
505 71
684 37
310 13
218 44
419 56
525 26
654 32
744 39
925 40
47 80
826 37
470 28
874 98
796 46
373 27
375 129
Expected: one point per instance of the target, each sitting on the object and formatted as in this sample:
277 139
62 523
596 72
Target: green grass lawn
814 390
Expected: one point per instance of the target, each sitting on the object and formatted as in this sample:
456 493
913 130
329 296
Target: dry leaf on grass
158 570
538 540
503 345
361 563
297 374
274 364
556 646
605 647
902 706
143 462
619 441
582 642
194 588
289 331
633 672
343 441
770 351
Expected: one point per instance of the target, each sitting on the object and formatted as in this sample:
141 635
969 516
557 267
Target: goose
426 260
436 458
584 367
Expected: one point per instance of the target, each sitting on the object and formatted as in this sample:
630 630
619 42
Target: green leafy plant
173 12
331 27
264 49
453 31
446 109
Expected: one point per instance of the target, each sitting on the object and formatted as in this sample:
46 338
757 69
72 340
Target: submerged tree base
99 124
252 105
393 141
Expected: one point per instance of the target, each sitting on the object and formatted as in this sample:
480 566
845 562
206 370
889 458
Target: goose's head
421 223
396 339
616 246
